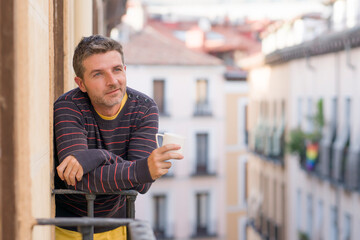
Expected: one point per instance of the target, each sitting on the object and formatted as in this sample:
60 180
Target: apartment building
309 63
266 175
188 88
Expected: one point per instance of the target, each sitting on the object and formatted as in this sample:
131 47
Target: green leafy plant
296 143
303 236
318 123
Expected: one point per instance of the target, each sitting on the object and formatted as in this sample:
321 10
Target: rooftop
151 47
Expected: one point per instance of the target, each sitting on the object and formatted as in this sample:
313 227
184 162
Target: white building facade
188 201
322 199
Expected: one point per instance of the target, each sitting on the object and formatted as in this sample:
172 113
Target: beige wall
232 118
39 98
34 93
267 180
236 99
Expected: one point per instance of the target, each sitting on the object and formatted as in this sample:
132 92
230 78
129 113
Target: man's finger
68 171
172 155
166 165
61 168
79 174
168 147
75 172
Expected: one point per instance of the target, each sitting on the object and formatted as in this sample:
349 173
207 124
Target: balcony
202 170
202 109
203 231
267 228
352 170
325 163
135 229
340 155
269 143
337 162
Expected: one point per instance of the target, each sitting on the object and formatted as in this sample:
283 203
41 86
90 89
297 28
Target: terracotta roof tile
150 47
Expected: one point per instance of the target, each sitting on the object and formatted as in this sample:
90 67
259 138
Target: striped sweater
112 153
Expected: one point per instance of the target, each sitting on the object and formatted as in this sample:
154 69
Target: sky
235 10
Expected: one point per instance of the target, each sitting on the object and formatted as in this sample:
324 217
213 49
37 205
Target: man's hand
70 169
157 160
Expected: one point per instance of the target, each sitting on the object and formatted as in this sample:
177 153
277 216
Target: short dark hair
93 45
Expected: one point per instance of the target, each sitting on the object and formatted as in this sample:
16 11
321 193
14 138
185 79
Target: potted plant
306 145
296 143
313 138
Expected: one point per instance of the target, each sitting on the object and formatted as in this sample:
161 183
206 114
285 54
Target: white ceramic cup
171 138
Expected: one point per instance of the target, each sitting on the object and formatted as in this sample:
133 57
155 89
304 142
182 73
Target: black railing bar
84 221
70 191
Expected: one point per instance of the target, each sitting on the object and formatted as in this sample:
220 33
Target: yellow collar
123 101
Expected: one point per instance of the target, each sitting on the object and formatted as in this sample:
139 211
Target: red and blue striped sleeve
103 170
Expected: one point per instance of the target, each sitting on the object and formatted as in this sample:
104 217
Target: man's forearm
116 177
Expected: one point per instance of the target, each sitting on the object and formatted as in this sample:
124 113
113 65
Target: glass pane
159 94
202 151
202 95
202 212
160 214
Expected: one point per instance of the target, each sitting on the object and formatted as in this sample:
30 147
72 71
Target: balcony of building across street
268 141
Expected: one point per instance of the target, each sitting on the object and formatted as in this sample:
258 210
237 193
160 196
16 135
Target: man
104 137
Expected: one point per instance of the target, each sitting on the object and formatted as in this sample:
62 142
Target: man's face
104 80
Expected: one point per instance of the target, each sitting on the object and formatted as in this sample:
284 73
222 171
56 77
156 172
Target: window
160 215
298 210
246 133
202 213
326 149
309 221
283 211
347 227
242 228
319 221
347 138
202 98
242 121
242 181
334 115
279 136
299 112
334 224
274 209
159 95
202 153
310 113
341 146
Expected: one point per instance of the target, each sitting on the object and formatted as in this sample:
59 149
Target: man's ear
125 67
80 83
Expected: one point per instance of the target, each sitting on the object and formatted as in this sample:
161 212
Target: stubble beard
107 101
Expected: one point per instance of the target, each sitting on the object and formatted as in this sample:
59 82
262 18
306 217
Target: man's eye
118 69
97 74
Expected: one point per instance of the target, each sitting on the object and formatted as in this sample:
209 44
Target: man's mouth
113 91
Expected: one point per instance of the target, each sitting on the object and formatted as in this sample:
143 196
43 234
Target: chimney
195 38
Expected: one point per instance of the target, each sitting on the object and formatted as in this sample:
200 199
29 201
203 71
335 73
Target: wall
38 109
236 98
31 85
325 77
181 189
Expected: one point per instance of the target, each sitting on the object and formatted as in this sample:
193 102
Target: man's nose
110 79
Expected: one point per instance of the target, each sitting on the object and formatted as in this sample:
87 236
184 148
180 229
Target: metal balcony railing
202 109
136 229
